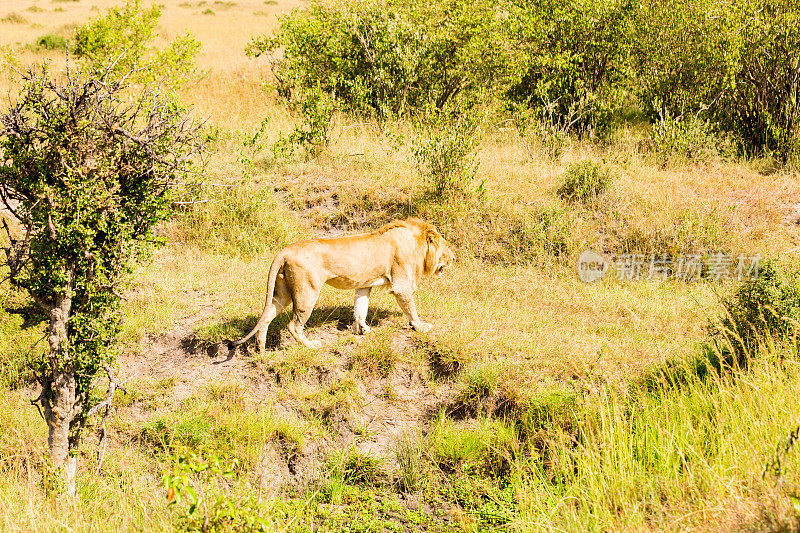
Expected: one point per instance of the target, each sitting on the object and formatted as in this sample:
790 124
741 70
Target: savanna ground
519 410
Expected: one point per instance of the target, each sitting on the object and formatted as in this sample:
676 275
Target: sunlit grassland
581 447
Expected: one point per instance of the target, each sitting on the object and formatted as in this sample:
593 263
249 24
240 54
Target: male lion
398 254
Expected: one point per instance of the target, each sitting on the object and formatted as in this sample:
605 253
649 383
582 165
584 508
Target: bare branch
101 451
112 388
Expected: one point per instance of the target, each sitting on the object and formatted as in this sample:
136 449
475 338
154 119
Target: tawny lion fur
398 255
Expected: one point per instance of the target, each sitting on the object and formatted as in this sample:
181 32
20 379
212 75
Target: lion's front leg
405 299
360 306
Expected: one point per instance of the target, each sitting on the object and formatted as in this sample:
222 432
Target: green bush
445 150
316 111
196 492
763 310
123 38
388 58
51 41
574 59
729 60
689 138
584 182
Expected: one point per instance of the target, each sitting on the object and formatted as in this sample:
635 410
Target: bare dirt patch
178 354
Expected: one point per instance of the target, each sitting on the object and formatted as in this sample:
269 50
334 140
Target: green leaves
194 492
445 149
733 62
87 169
573 59
120 43
388 59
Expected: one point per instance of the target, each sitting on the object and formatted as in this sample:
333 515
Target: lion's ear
430 236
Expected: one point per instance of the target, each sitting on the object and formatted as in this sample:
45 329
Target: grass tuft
584 182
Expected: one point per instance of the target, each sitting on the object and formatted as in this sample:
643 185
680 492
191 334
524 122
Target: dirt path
178 354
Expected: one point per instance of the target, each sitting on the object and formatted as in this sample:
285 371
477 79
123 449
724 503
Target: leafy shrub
584 182
763 310
92 166
574 59
51 41
445 150
127 28
390 57
123 38
316 111
195 493
728 58
689 138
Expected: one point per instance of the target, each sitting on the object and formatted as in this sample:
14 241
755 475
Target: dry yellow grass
541 320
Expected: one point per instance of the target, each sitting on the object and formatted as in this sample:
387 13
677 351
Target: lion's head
438 256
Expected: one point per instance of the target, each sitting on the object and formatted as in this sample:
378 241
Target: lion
398 255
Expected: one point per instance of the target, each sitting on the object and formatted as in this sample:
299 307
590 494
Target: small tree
735 62
86 167
574 60
388 58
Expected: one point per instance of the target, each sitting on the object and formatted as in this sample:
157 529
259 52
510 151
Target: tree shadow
32 315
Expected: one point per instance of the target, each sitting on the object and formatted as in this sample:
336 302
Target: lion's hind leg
304 298
280 300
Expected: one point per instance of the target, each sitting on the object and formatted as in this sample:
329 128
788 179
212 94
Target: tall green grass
708 449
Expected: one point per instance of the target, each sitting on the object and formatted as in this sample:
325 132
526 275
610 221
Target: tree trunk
59 412
59 397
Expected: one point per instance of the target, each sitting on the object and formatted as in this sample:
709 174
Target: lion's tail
274 270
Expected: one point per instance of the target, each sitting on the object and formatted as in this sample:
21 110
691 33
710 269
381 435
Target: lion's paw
360 329
422 327
315 344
